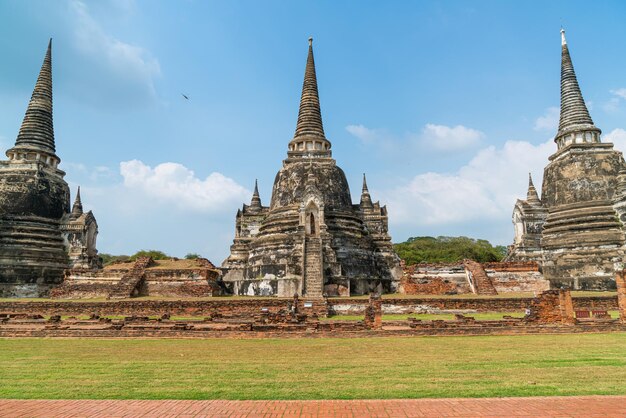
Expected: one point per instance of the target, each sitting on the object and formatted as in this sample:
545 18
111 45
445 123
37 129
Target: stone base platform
264 326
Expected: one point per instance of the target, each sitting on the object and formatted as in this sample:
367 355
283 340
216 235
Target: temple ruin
311 240
40 237
575 231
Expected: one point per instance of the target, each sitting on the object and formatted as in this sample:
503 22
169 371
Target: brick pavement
574 406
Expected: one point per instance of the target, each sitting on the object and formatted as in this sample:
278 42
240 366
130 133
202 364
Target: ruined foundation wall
85 284
238 307
451 278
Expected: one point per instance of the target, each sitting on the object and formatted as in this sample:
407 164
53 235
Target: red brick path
575 406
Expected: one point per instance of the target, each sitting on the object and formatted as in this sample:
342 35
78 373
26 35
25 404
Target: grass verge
356 368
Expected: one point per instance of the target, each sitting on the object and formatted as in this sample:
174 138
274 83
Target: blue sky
445 105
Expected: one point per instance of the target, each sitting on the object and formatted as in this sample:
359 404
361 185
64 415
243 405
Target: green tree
192 256
448 250
154 254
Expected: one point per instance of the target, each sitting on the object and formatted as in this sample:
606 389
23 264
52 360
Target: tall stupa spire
575 123
37 131
309 136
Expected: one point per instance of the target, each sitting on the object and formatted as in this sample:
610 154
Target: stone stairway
480 283
131 280
313 277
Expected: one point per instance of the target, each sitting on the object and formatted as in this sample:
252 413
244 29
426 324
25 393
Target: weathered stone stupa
528 217
311 240
582 202
39 237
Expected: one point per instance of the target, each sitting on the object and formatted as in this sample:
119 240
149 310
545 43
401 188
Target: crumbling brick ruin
552 307
576 229
374 312
459 278
143 277
551 312
478 280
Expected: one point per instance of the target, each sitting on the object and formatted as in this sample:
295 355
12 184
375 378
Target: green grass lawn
313 368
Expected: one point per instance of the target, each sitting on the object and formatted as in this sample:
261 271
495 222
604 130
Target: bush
192 256
110 259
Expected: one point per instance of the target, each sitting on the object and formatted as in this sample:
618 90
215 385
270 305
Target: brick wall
247 307
232 307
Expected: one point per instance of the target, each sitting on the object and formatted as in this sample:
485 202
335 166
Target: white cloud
620 93
175 184
131 70
617 137
366 135
549 121
614 102
445 138
437 137
484 189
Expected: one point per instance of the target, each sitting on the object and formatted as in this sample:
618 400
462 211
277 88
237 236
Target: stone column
374 312
620 282
568 316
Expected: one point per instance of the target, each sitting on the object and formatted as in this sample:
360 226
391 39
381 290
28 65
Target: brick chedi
311 240
582 236
36 225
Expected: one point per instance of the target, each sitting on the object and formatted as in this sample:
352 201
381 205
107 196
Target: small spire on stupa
531 196
366 199
256 199
77 208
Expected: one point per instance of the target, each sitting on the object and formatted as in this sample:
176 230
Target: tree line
448 250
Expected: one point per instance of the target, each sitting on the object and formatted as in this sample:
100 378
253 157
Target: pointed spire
77 209
309 136
532 196
574 114
365 189
256 199
37 131
310 115
366 199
